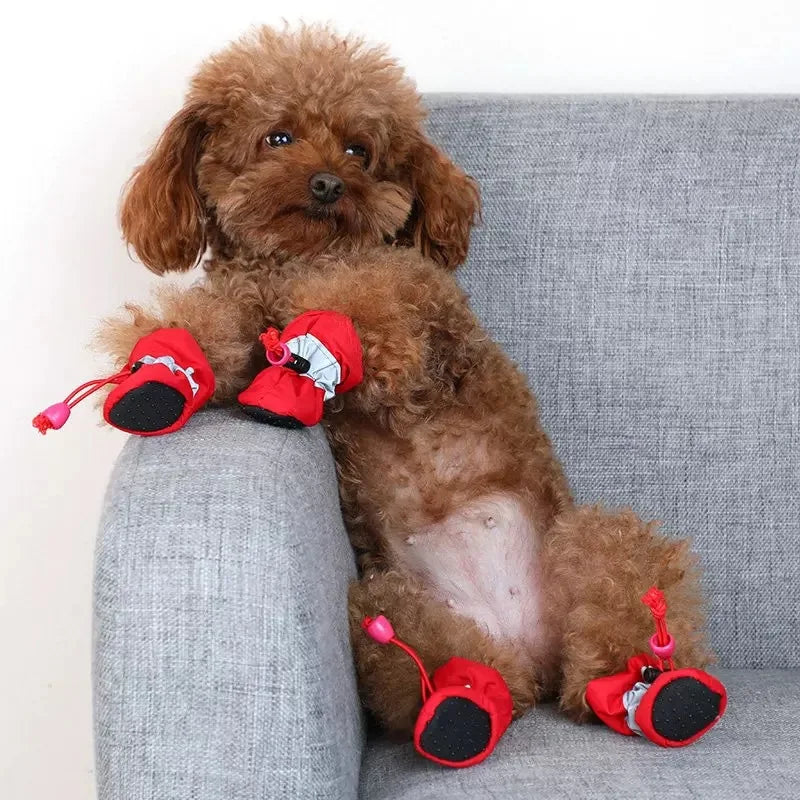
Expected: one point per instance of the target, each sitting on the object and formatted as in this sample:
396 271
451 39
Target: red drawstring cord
653 598
279 354
425 687
271 341
56 415
380 629
98 383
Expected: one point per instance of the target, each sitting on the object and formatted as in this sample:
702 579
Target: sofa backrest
640 260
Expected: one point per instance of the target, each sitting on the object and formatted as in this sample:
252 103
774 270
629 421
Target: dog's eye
359 151
278 138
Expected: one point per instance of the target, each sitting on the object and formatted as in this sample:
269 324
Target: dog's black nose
325 187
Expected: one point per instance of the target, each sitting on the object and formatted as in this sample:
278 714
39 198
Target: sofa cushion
752 752
639 259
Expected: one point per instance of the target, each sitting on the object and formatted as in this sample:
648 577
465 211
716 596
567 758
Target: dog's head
296 143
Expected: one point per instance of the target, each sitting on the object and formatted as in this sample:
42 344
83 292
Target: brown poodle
468 538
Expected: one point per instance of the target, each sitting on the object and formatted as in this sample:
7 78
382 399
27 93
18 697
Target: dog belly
482 561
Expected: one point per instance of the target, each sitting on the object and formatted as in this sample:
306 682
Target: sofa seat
753 752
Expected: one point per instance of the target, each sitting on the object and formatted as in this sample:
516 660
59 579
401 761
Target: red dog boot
167 378
317 355
463 719
610 697
170 378
671 707
466 708
680 706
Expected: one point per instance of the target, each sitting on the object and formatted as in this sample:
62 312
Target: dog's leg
601 564
388 679
424 352
225 324
417 334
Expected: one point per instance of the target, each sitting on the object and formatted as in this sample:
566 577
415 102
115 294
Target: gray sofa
640 260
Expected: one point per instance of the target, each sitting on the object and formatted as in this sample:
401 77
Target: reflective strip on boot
169 362
324 370
631 700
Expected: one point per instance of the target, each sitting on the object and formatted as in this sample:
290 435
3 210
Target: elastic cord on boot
54 417
279 354
380 629
661 642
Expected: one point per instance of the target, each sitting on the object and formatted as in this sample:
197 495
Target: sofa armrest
222 664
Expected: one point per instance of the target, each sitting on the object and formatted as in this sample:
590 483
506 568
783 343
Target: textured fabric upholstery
222 661
640 259
752 753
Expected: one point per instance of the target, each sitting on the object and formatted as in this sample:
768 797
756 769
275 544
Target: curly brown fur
600 564
467 535
429 626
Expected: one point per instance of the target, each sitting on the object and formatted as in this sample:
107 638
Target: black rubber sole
269 418
458 730
683 708
148 408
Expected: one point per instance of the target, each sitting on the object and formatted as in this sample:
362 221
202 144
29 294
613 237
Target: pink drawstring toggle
286 354
278 352
661 642
380 629
53 417
662 651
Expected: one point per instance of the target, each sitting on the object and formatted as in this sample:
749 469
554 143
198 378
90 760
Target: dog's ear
162 214
446 205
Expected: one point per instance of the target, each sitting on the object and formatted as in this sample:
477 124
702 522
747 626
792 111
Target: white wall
86 87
